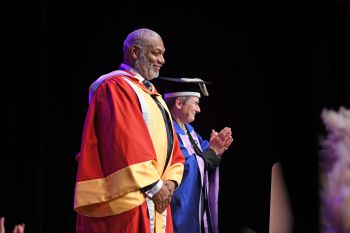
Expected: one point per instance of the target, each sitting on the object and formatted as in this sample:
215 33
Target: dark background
273 67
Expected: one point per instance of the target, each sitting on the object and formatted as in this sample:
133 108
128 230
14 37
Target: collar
139 77
132 70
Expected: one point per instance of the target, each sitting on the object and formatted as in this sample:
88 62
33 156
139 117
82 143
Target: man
130 162
194 204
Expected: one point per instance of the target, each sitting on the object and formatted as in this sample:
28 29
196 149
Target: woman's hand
220 142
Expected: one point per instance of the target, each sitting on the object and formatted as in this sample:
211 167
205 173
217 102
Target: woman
194 203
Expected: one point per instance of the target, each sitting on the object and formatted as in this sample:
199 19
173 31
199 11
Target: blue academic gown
185 205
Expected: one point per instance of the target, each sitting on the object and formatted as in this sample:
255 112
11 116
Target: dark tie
148 84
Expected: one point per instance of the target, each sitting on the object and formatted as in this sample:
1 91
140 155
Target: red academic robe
123 149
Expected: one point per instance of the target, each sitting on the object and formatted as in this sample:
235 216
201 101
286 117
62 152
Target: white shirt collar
128 68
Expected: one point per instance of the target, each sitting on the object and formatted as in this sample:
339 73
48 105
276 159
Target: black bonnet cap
174 87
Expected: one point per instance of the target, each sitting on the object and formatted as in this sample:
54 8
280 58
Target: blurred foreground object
335 172
281 218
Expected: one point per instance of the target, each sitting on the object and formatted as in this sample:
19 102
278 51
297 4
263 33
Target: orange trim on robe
108 186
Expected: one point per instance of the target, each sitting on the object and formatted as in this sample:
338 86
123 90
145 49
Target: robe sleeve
212 160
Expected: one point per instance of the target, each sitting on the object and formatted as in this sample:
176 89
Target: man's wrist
155 189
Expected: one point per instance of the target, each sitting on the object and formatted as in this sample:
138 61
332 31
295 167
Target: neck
182 125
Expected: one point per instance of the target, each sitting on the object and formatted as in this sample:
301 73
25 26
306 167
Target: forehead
156 43
193 99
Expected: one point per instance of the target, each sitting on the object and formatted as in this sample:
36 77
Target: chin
191 120
153 76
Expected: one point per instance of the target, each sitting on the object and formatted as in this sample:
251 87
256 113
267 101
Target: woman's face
188 109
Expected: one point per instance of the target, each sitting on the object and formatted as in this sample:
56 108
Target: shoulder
178 128
116 82
189 127
113 85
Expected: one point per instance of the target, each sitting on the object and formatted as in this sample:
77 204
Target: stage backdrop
273 69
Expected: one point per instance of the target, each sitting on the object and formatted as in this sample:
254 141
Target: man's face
150 59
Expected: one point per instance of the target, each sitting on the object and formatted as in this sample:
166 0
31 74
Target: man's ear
135 51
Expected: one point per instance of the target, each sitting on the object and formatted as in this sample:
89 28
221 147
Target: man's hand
163 197
170 184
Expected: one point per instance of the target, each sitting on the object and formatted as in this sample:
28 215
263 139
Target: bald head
143 51
140 37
